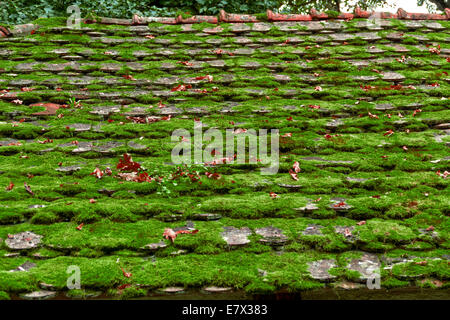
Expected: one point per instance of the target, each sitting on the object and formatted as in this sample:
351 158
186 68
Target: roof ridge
274 17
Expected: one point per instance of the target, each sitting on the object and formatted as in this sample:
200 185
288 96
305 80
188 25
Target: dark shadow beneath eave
410 293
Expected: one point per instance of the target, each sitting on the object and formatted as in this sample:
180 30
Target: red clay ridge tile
402 14
4 32
197 19
230 17
287 17
137 20
362 14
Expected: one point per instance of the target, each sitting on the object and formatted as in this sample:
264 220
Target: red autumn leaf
186 63
129 77
376 197
293 174
45 141
150 36
289 118
108 171
435 50
361 223
80 227
318 88
327 136
340 204
430 228
10 186
25 89
405 148
296 167
123 286
421 263
389 133
273 195
127 164
318 199
347 232
287 135
215 175
171 234
92 201
207 77
181 87
97 172
126 274
160 104
416 111
240 130
28 189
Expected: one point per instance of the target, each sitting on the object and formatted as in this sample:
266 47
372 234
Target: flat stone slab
348 285
108 146
346 232
23 241
207 216
319 269
24 267
368 266
392 76
355 179
289 186
271 236
154 246
214 289
136 146
172 290
236 237
433 234
313 230
39 295
105 111
69 169
80 127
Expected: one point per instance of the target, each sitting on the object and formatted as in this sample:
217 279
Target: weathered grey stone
172 290
25 266
309 208
80 127
154 246
313 230
214 289
23 241
39 295
271 236
392 76
69 169
319 269
105 111
207 216
368 266
236 237
136 146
